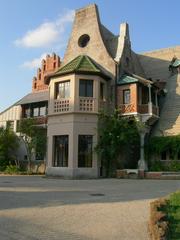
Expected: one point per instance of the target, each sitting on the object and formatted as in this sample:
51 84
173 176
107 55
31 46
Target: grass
173 215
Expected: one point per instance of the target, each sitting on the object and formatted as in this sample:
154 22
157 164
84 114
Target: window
85 88
61 145
27 112
85 150
42 111
63 90
35 112
102 91
126 96
83 40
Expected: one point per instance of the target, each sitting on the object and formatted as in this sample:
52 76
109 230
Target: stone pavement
36 208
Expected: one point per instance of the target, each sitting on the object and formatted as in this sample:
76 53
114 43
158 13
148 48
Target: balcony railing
86 104
141 108
61 105
127 108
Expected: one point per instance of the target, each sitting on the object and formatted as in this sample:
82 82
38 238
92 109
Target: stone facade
119 78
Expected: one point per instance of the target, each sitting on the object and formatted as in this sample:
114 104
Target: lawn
173 213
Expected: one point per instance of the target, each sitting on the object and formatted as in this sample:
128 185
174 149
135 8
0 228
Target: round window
83 40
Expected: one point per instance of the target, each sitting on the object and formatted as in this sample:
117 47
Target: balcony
82 104
141 109
61 105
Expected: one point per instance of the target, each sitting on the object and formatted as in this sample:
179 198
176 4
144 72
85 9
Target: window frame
124 96
85 153
61 162
86 82
57 89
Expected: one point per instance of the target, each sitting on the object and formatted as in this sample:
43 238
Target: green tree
9 143
34 138
117 136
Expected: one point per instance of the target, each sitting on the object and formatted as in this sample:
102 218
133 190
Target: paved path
36 208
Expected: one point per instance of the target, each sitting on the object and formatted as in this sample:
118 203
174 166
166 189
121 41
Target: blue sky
31 29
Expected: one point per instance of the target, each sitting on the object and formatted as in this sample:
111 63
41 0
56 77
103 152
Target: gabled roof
133 78
80 64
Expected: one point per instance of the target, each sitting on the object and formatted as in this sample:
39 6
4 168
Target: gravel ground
33 207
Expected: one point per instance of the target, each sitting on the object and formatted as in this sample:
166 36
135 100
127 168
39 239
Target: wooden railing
127 108
143 108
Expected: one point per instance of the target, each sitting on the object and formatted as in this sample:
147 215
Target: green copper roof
176 63
125 79
81 63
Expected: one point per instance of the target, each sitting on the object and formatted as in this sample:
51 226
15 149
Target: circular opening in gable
83 40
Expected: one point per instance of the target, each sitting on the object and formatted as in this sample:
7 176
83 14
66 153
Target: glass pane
85 151
126 96
82 88
61 151
61 90
86 88
67 89
42 111
36 112
89 88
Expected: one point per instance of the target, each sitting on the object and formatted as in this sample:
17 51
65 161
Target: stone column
142 165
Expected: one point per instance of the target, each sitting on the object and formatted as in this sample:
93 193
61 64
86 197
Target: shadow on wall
158 68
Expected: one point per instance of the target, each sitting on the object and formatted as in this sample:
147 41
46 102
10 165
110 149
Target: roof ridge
91 63
80 60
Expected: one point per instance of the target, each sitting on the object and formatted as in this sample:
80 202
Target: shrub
11 169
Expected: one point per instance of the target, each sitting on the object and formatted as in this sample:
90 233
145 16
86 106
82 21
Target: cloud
34 63
47 33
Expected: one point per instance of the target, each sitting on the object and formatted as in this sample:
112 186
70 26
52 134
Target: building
100 71
34 104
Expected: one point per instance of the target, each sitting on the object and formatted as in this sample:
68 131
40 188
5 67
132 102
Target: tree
117 135
34 138
9 143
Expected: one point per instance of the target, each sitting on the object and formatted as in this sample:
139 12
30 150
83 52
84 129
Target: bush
157 166
174 166
11 169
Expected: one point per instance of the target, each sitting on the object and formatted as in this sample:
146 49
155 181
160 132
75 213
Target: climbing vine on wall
115 134
159 144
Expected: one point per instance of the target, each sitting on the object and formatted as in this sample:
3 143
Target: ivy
115 134
160 144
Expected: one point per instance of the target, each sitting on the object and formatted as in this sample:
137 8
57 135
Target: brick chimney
48 65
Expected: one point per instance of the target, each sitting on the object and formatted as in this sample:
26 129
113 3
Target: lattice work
127 108
86 104
61 105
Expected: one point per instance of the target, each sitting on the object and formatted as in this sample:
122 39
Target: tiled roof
34 97
81 63
127 79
